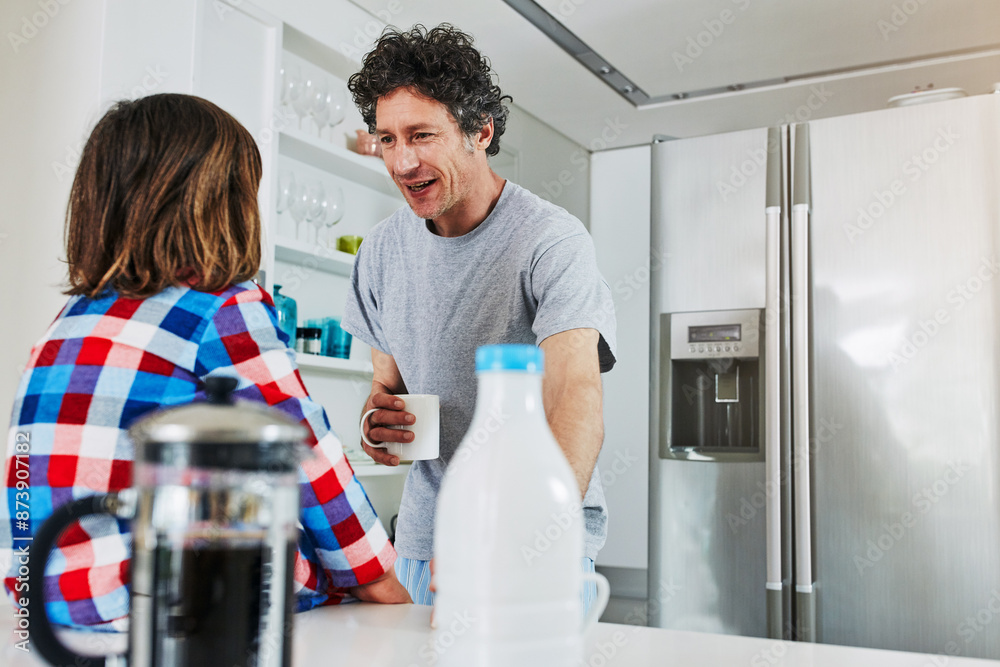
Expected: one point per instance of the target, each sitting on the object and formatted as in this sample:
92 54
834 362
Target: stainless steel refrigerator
825 344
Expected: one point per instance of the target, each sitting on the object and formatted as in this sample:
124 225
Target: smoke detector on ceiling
923 96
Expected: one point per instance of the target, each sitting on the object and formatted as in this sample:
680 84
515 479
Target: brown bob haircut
165 194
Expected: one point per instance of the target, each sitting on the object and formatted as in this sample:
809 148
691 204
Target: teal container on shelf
338 341
288 314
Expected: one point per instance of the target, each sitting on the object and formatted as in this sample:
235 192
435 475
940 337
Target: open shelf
366 170
377 470
334 365
310 255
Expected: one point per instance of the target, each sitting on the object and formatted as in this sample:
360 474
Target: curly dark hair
441 64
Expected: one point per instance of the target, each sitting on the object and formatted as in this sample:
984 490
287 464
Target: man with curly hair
472 260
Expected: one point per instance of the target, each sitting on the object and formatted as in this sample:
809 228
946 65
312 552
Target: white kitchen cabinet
619 223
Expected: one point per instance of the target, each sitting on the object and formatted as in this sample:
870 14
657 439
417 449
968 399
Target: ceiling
721 65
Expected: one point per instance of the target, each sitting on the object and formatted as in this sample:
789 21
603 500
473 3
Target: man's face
426 153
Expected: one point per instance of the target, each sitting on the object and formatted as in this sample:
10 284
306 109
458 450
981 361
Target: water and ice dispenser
712 389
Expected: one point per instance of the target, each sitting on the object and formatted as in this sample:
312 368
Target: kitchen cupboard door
619 223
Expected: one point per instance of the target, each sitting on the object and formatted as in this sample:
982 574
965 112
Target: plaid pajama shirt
105 362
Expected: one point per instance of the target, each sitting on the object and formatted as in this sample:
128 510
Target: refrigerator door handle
774 584
804 590
772 422
805 600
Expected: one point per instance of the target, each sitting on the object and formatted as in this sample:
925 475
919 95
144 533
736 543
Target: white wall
619 223
50 96
549 164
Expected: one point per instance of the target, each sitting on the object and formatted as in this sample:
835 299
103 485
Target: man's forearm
573 399
577 422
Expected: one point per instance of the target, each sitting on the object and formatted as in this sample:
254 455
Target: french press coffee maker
213 507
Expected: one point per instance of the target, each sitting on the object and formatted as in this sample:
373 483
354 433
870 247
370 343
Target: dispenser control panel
713 334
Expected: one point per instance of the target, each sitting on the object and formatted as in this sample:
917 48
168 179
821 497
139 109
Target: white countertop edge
371 635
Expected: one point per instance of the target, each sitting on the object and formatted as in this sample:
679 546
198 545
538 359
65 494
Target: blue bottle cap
529 358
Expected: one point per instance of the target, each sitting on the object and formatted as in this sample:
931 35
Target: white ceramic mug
600 602
426 408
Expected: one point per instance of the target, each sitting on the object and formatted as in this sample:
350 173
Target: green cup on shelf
349 244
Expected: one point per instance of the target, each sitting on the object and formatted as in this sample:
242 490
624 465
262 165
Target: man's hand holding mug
401 427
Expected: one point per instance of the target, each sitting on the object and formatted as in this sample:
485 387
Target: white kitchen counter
369 635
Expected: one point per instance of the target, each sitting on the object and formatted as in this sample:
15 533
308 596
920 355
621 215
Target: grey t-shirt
528 271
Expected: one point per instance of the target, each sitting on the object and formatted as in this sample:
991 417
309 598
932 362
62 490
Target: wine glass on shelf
337 103
286 187
291 86
315 198
334 211
319 109
297 206
304 103
286 184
